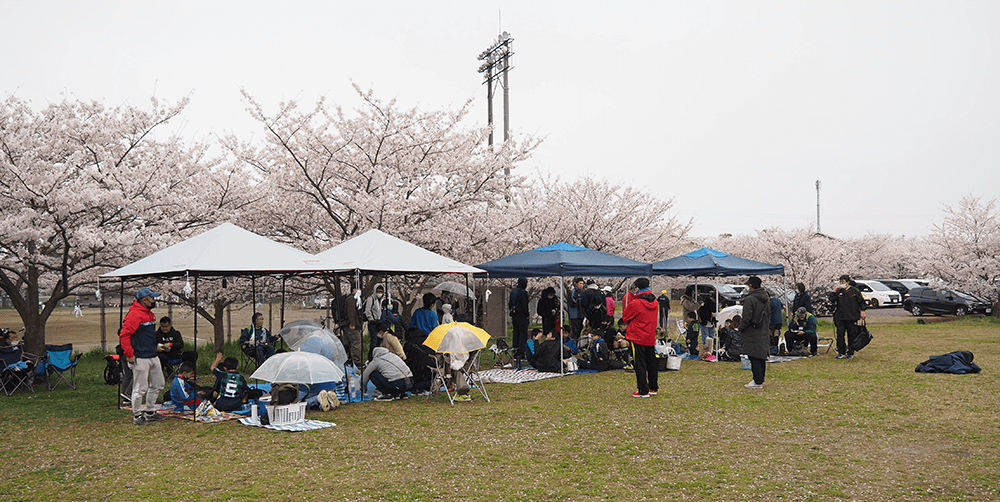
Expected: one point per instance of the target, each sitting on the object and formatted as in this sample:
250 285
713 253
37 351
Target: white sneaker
754 385
324 400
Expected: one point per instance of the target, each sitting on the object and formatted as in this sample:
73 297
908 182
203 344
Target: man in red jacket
640 314
138 339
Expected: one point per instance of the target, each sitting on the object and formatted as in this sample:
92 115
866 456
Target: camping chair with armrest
503 353
248 357
18 370
59 360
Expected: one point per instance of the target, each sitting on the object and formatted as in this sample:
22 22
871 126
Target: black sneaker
139 420
154 417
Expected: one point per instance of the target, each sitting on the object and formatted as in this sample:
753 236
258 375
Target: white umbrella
453 287
298 367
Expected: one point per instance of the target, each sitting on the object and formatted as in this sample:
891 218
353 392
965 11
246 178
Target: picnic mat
168 411
500 375
305 425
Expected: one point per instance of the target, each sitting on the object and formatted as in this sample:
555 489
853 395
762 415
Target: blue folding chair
59 361
17 370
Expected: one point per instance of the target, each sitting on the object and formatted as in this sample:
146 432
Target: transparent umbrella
298 367
293 332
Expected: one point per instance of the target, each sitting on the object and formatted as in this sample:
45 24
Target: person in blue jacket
777 320
424 318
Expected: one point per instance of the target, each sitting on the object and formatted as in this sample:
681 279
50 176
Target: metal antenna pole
817 208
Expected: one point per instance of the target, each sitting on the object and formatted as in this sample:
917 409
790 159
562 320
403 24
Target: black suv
943 301
727 295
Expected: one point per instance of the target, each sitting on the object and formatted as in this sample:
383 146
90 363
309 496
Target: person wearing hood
517 306
595 307
640 316
389 373
548 309
689 302
754 334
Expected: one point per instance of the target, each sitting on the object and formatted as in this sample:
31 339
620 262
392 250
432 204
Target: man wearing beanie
640 317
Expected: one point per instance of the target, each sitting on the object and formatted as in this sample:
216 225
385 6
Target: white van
879 295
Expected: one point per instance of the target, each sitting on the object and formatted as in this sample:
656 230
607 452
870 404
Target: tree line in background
86 188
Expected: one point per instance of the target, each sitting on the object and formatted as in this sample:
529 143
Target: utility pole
817 208
496 60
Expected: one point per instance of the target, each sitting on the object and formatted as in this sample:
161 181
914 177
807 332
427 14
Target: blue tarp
562 259
709 262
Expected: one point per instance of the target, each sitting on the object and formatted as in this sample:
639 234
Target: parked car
879 295
944 301
741 289
902 285
727 295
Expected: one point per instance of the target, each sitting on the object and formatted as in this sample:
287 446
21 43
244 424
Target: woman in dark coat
754 331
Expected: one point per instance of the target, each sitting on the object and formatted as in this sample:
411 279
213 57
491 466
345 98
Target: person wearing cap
664 303
609 302
802 329
754 335
138 341
849 307
640 317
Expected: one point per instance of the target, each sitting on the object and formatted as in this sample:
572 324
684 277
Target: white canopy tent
376 252
224 251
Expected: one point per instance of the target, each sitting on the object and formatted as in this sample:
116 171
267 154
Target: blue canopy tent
709 262
562 259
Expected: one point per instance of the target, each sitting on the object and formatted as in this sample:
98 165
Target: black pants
758 367
792 338
849 328
520 332
575 327
645 366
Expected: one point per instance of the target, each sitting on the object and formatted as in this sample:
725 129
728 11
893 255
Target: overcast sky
733 108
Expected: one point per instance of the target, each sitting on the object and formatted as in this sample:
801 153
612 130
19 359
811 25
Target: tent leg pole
282 324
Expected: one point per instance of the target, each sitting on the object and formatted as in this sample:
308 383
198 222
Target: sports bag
863 338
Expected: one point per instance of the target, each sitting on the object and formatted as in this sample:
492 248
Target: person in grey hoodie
391 376
754 333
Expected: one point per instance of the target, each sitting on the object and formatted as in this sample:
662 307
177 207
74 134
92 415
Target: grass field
822 429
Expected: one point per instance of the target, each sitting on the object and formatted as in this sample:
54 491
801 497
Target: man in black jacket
850 307
517 306
548 356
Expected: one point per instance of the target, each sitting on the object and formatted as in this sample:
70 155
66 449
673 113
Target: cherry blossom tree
964 248
86 188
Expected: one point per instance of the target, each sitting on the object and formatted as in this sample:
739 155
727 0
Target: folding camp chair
248 357
471 372
503 353
18 370
820 341
58 360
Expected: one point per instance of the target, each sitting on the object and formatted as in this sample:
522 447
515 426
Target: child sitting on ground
615 338
183 394
231 388
570 344
691 329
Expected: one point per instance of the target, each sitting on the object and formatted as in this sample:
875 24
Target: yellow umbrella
456 338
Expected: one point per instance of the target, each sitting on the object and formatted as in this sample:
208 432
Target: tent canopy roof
224 250
709 262
564 259
378 252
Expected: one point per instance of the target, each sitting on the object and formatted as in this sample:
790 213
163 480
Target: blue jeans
395 388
